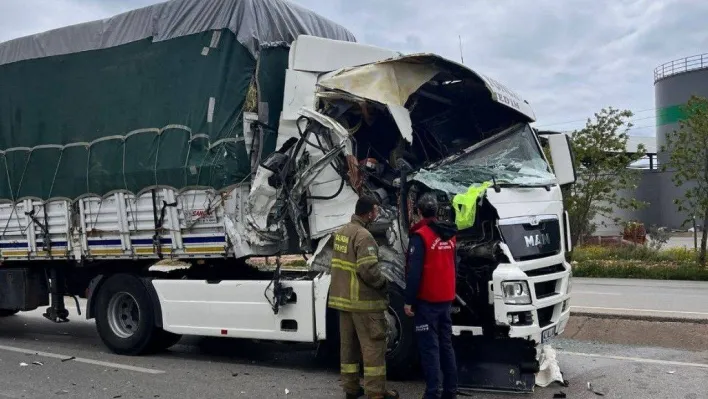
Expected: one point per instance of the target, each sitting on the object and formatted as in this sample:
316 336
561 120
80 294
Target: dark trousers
433 327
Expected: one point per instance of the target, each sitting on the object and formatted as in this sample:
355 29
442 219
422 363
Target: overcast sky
568 58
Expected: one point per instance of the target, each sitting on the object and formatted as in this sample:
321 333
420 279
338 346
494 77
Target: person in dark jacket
430 291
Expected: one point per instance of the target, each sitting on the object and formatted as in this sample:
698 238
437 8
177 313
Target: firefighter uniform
358 291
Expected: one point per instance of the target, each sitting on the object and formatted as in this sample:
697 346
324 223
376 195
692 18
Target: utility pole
462 57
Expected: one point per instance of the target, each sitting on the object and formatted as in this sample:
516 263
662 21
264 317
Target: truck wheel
7 313
402 353
164 340
125 317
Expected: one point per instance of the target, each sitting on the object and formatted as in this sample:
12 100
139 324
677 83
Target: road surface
641 298
34 353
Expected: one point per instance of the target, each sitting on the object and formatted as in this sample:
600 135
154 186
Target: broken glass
511 158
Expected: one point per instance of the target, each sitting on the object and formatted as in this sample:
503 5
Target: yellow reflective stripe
366 260
354 287
378 371
343 262
348 304
343 265
350 368
349 269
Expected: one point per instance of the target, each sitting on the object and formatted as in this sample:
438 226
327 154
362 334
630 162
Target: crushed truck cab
406 125
152 205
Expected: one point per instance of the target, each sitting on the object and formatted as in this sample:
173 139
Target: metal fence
675 67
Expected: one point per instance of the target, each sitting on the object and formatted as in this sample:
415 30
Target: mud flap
495 365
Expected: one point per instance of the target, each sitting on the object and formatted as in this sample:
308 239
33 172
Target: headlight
516 293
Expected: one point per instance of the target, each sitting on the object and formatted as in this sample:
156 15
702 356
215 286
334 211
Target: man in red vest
430 291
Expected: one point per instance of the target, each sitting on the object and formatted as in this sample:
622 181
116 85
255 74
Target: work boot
449 395
357 395
390 394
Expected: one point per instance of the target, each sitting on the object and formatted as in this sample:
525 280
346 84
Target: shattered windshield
512 158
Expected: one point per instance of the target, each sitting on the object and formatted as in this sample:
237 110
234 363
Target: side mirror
562 158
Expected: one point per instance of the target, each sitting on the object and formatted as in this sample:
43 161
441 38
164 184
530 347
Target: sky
567 58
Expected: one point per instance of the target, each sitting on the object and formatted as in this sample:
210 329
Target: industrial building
674 84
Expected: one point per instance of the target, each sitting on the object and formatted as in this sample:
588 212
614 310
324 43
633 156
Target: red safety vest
438 281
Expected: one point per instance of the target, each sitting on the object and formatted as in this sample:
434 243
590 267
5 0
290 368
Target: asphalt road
649 298
202 368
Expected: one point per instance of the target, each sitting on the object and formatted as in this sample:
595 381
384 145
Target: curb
651 318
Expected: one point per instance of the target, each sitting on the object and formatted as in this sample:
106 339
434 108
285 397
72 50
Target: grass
639 262
634 252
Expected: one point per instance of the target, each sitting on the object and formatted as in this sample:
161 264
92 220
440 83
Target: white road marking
637 359
81 360
641 310
596 293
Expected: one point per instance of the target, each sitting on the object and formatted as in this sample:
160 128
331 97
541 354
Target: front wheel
402 353
7 312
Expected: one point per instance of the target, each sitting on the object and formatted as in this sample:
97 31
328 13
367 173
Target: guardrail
675 67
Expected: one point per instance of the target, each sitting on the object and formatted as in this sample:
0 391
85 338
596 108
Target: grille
528 242
545 289
545 316
545 270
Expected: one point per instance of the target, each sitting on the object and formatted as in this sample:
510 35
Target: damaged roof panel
393 81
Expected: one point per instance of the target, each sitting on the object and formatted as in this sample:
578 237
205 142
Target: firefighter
430 291
358 292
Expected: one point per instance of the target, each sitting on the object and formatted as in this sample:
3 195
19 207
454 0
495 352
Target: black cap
428 205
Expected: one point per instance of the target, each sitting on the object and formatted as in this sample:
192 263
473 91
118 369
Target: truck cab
362 120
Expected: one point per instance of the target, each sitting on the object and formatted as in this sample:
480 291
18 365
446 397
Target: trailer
211 132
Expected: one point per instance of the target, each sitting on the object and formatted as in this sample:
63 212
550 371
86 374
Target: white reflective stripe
205 51
210 111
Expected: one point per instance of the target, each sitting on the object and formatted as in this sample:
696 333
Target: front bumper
549 310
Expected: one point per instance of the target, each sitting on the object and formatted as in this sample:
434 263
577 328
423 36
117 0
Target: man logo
537 240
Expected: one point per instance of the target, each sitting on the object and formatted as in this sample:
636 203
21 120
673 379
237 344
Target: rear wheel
125 318
7 313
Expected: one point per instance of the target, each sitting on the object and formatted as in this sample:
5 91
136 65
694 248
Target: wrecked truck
148 156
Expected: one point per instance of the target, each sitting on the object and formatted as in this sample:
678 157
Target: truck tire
402 355
7 313
163 340
125 318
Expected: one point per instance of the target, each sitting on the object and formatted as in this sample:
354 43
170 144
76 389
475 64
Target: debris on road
23 364
287 391
591 389
560 395
549 369
68 358
38 363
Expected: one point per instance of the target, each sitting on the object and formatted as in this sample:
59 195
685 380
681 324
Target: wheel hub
394 330
123 315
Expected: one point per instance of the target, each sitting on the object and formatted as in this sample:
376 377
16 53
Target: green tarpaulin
81 117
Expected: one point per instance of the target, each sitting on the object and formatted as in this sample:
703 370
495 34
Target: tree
601 163
687 148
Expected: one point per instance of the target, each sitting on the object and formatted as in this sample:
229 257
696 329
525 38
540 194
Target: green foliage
688 159
659 237
639 270
637 261
602 167
634 253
